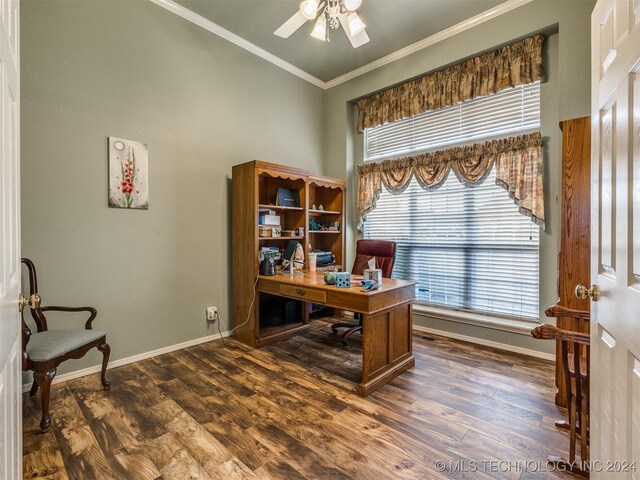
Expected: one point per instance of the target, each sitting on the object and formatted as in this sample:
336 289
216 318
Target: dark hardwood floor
290 411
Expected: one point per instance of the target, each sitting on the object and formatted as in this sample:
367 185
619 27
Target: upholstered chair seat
45 346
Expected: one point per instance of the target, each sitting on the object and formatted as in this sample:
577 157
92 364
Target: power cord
243 323
219 331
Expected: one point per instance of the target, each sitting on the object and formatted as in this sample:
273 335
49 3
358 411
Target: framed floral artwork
128 174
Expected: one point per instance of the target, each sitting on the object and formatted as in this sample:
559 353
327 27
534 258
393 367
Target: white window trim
522 327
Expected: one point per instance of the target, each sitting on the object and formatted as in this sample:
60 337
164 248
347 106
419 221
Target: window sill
522 327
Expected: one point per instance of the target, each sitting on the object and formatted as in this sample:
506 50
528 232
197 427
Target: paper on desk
372 263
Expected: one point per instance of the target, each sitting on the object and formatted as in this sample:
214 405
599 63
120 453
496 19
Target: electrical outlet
212 314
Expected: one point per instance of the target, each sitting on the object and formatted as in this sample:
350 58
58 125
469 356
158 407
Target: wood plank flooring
290 411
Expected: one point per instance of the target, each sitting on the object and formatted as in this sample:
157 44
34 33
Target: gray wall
132 69
565 94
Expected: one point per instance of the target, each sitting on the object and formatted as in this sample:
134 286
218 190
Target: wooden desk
387 346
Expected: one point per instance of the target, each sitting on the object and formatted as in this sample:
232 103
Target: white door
615 257
10 333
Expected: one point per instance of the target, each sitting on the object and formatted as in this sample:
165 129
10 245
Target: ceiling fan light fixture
309 8
320 29
327 15
352 5
356 25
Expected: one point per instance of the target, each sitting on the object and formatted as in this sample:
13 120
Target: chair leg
584 425
44 380
573 407
348 333
336 326
106 351
34 388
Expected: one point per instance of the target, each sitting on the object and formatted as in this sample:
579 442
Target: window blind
468 248
510 111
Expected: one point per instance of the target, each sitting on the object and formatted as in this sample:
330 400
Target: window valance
518 163
508 66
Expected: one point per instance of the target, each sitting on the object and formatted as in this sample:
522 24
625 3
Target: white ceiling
391 24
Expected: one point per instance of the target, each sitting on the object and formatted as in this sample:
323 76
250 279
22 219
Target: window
506 113
468 248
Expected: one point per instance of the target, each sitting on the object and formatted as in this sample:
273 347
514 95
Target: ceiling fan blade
357 40
291 25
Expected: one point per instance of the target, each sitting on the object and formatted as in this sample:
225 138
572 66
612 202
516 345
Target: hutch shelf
255 187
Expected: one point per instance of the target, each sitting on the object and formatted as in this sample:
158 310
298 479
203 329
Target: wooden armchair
574 352
43 351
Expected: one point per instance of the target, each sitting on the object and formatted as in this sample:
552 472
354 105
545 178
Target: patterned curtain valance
518 163
516 64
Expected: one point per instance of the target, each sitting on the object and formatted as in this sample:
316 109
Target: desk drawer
303 293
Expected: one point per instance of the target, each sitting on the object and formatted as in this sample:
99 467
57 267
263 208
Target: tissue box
343 279
374 274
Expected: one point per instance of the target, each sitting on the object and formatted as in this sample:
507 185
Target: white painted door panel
10 338
615 257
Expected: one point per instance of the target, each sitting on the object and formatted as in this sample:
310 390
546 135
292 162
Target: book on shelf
273 252
270 220
286 197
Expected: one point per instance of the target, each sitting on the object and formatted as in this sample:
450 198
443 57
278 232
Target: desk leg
387 347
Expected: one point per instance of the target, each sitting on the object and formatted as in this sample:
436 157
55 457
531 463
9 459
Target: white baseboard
487 343
134 358
179 346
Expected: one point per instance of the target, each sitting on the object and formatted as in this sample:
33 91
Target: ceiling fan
331 13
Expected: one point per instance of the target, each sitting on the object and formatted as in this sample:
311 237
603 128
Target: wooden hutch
255 186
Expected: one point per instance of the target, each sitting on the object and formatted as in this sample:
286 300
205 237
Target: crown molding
392 57
428 41
237 40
